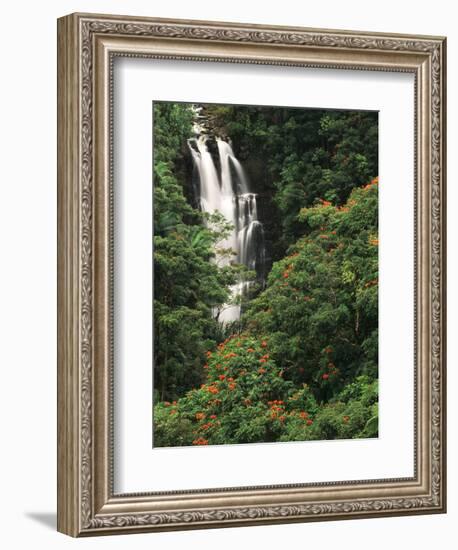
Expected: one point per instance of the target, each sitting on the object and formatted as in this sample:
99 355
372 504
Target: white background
137 467
28 303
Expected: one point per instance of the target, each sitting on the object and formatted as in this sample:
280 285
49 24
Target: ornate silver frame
87 44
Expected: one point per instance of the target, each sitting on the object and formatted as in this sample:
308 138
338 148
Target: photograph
265 274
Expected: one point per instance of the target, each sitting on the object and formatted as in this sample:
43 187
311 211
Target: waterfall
229 193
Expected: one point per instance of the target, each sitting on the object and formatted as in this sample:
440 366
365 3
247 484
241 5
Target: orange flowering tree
246 399
232 405
320 307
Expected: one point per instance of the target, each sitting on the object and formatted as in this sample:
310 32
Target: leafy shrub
246 399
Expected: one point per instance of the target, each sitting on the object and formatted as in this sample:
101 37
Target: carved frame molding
87 46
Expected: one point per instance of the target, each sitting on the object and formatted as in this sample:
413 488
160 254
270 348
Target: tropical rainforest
301 360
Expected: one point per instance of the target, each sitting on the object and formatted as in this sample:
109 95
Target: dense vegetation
302 362
186 283
299 156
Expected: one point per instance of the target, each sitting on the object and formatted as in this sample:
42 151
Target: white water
231 197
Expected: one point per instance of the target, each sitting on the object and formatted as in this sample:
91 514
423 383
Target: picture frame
87 46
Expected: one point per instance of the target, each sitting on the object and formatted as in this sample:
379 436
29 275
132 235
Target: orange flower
250 350
222 376
346 419
371 184
304 415
213 390
232 386
262 371
262 360
200 441
206 426
200 416
285 275
208 354
309 422
264 344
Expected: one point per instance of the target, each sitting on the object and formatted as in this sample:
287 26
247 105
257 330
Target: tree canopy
302 362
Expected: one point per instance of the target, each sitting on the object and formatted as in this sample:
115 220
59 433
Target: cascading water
229 193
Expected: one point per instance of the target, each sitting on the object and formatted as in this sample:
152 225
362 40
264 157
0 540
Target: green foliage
302 362
187 284
300 155
232 405
245 398
320 307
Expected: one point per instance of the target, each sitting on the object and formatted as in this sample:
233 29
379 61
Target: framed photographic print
251 281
